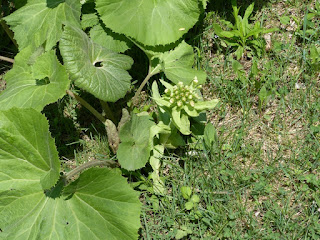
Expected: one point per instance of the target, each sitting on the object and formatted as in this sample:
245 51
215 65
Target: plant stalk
150 74
6 59
107 111
87 106
94 163
142 85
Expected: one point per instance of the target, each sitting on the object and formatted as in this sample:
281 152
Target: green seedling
193 199
183 232
186 192
314 58
245 37
264 94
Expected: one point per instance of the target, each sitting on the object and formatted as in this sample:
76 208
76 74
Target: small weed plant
244 37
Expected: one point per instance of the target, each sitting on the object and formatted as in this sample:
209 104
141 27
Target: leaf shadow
54 3
62 127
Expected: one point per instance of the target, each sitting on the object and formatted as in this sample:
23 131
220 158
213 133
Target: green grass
261 178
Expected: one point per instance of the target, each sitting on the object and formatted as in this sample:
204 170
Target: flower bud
179 104
171 100
195 80
192 103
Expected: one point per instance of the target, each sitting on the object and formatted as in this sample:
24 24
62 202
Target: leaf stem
142 85
87 106
10 60
107 111
150 74
94 163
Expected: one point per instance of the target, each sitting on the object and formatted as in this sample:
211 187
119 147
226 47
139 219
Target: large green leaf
89 20
40 21
108 39
150 22
134 150
27 151
177 64
34 81
104 36
97 70
98 205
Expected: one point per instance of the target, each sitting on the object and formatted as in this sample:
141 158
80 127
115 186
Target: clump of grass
261 179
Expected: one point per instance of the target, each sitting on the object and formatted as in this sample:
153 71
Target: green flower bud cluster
181 94
181 102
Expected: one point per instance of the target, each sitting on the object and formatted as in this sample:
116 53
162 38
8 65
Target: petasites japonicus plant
182 102
36 204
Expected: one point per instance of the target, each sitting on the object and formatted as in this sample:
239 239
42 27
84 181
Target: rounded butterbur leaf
103 36
35 80
177 65
89 20
94 68
100 204
135 147
40 21
150 22
27 151
109 39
